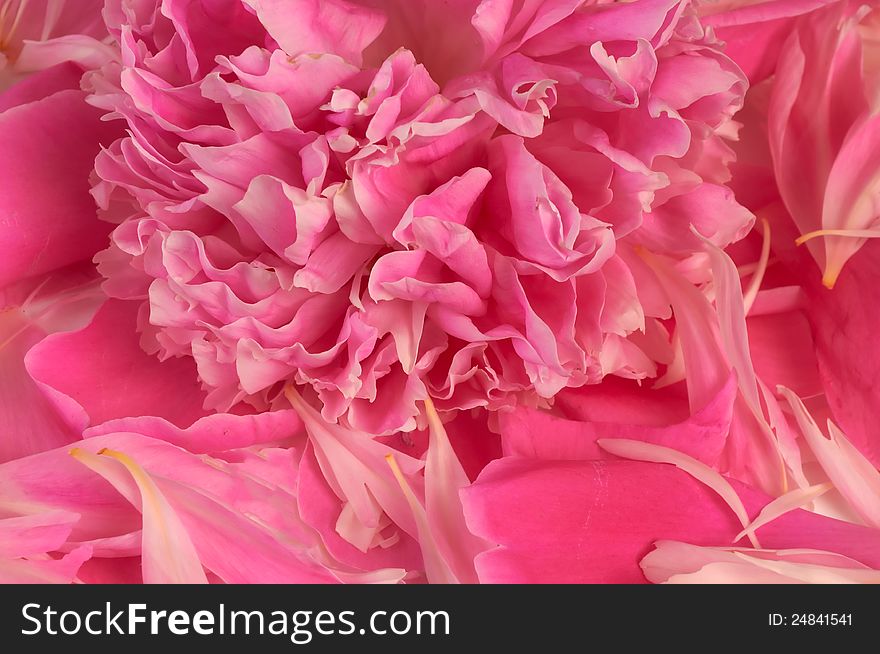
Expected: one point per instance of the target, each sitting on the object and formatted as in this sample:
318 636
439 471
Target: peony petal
783 504
35 534
169 556
593 521
537 434
852 474
29 423
437 570
49 217
351 463
640 451
444 479
211 434
46 571
680 563
308 26
102 372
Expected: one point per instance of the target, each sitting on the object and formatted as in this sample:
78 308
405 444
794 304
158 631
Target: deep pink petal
49 217
594 521
101 373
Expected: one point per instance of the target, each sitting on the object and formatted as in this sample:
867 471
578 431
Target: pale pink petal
437 570
355 468
30 422
444 479
852 474
680 563
783 504
44 571
35 534
169 556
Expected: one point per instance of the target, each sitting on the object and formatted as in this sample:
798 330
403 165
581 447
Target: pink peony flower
386 291
424 218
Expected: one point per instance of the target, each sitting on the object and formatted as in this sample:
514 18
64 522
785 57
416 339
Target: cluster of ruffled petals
401 291
341 196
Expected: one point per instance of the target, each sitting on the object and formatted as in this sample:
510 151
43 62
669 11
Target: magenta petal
103 372
537 434
845 323
213 433
41 85
756 31
592 522
49 218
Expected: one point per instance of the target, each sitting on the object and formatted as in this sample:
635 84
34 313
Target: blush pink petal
308 26
321 508
53 481
791 500
31 546
699 333
650 20
355 468
62 77
44 570
714 342
843 324
35 534
62 301
39 35
444 480
236 513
